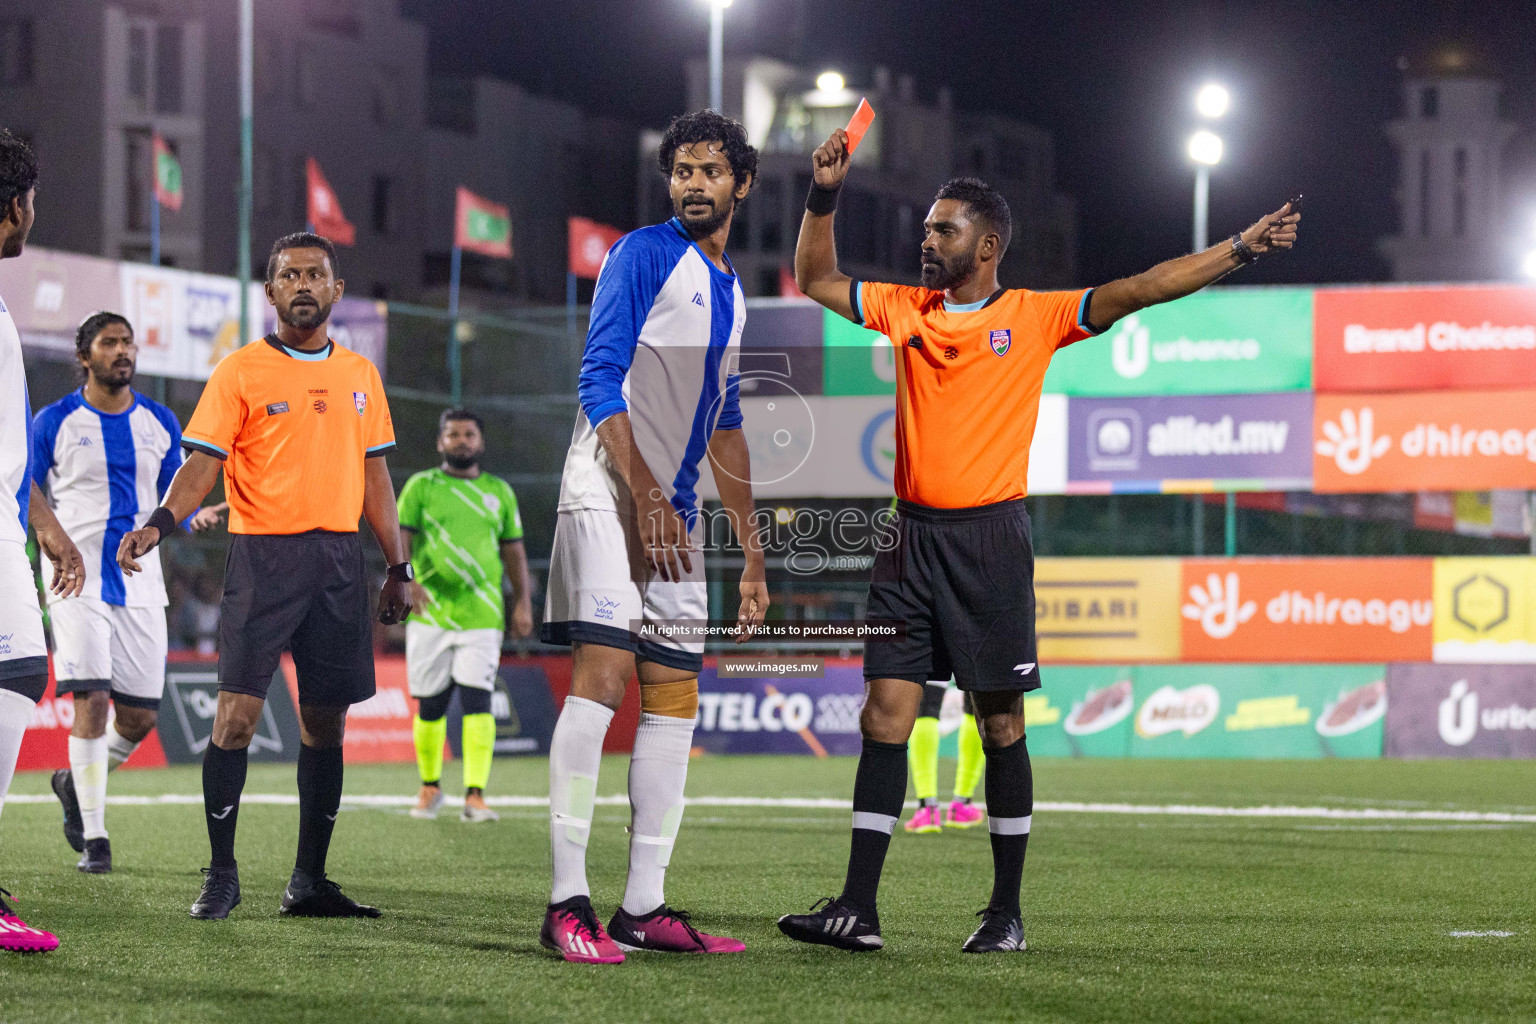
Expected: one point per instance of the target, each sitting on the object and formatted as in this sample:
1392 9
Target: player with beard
300 428
971 360
463 531
659 390
105 456
23 650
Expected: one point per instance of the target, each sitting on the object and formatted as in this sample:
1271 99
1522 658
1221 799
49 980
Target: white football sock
15 713
118 748
88 762
575 754
658 770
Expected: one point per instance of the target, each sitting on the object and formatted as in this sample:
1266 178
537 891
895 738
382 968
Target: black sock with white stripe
879 789
1010 804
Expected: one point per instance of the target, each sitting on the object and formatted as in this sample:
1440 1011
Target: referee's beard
305 315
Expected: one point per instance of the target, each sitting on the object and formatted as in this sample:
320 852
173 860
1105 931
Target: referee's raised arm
816 272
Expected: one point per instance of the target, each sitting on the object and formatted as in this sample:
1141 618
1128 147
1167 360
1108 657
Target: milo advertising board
1257 711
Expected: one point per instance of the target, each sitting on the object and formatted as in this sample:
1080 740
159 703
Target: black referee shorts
963 581
306 593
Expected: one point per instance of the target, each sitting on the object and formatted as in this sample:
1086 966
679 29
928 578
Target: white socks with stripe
15 713
575 754
118 748
658 771
88 762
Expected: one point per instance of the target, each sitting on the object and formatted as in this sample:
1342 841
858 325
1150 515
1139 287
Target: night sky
1313 84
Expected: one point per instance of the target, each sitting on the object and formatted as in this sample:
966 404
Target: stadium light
717 53
1212 100
1205 148
830 81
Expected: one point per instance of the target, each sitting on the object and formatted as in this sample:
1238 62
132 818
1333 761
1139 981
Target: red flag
482 226
589 243
324 209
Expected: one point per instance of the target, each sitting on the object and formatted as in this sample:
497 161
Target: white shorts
435 657
100 646
23 651
602 591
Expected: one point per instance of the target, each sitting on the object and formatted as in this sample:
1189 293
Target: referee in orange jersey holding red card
300 428
971 360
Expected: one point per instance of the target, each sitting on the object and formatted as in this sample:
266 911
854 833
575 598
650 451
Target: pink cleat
572 930
925 820
963 814
16 936
665 930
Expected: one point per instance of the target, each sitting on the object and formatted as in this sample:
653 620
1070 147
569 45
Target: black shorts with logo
963 582
306 593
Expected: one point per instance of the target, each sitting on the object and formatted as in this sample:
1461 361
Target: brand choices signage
1461 711
1452 441
1421 339
1307 609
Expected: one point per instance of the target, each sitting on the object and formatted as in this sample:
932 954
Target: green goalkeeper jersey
460 526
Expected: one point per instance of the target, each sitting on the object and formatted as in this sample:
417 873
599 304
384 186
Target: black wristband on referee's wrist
1242 250
822 200
162 520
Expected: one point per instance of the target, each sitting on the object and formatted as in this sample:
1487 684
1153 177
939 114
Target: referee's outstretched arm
189 487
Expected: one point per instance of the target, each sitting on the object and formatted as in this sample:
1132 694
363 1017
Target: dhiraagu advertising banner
1257 711
1218 341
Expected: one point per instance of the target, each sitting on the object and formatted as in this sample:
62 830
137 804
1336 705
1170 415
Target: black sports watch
402 572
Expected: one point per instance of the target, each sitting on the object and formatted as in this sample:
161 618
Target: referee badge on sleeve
1002 341
360 400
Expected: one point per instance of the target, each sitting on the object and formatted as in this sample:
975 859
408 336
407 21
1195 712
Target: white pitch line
837 804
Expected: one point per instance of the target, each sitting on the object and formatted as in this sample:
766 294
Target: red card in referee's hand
859 124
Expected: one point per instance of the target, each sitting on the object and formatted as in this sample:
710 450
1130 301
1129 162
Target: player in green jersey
463 531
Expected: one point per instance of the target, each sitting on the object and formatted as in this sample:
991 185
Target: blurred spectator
197 620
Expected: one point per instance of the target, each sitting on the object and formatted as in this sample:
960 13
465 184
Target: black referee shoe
220 895
321 898
1001 931
831 922
63 782
97 858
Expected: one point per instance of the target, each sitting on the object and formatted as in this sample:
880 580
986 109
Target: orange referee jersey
968 382
293 430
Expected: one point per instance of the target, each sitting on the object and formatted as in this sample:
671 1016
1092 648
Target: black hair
984 203
18 169
708 126
459 414
302 240
94 325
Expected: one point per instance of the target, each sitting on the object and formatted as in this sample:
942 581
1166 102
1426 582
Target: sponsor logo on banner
1461 440
1406 339
1354 710
1194 437
1107 609
1307 609
1100 709
1169 709
1485 610
1219 341
1461 711
781 715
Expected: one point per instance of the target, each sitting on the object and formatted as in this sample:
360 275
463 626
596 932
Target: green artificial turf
1129 917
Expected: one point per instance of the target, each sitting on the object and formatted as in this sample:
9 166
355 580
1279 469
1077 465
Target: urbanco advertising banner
1218 341
1190 443
1424 339
1107 609
1485 610
773 712
1440 441
844 446
1461 711
1308 609
1259 711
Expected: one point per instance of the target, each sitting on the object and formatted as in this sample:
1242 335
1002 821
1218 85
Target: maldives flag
589 243
324 209
481 226
167 175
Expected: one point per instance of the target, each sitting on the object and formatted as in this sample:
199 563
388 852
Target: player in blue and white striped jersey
105 456
658 393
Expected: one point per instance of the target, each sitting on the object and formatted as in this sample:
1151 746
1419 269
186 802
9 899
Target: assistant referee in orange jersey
971 360
300 428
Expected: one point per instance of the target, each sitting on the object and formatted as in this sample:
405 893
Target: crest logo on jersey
605 607
1002 341
698 298
360 400
320 405
950 352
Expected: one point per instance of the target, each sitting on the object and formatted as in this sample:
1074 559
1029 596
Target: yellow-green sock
479 744
923 753
972 760
430 737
